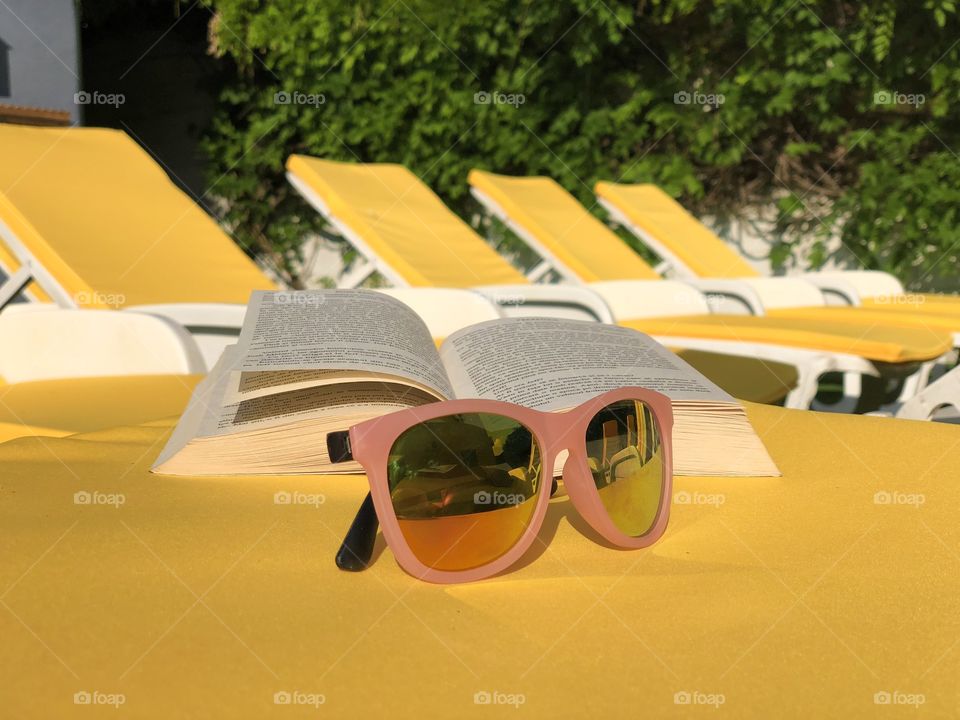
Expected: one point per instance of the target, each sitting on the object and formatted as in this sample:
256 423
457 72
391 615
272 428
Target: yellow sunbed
592 252
403 222
101 225
829 591
662 222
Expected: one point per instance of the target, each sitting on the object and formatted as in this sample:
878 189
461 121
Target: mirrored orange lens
625 455
464 488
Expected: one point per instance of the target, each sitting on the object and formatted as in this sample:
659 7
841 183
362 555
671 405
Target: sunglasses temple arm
357 548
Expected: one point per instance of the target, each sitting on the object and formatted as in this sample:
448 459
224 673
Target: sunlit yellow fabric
105 220
927 304
879 343
801 596
937 323
751 379
404 223
561 224
651 209
62 407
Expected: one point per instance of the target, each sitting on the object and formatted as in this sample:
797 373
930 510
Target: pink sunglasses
460 487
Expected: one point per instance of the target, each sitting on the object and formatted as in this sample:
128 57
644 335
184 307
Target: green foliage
788 103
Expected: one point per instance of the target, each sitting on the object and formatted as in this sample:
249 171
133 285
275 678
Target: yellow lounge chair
582 248
694 251
405 231
89 220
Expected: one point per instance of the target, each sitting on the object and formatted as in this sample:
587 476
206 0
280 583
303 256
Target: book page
204 409
311 333
551 364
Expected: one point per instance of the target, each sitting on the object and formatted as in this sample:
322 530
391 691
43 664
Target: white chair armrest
771 293
223 316
568 301
93 343
213 326
629 299
446 310
719 291
861 283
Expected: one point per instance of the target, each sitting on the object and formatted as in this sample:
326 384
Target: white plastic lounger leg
943 392
803 396
852 384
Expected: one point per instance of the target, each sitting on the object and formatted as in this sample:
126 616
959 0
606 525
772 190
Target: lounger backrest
103 219
557 221
404 223
661 217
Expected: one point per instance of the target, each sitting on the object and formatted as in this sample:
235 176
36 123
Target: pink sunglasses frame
371 441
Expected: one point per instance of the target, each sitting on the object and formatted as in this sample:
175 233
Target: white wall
39 54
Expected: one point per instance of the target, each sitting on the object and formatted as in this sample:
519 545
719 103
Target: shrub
840 112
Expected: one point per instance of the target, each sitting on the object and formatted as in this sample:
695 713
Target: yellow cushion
61 407
404 223
910 304
662 217
561 224
878 343
202 593
102 217
759 381
935 322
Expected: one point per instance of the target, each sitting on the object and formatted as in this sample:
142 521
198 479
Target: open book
313 362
